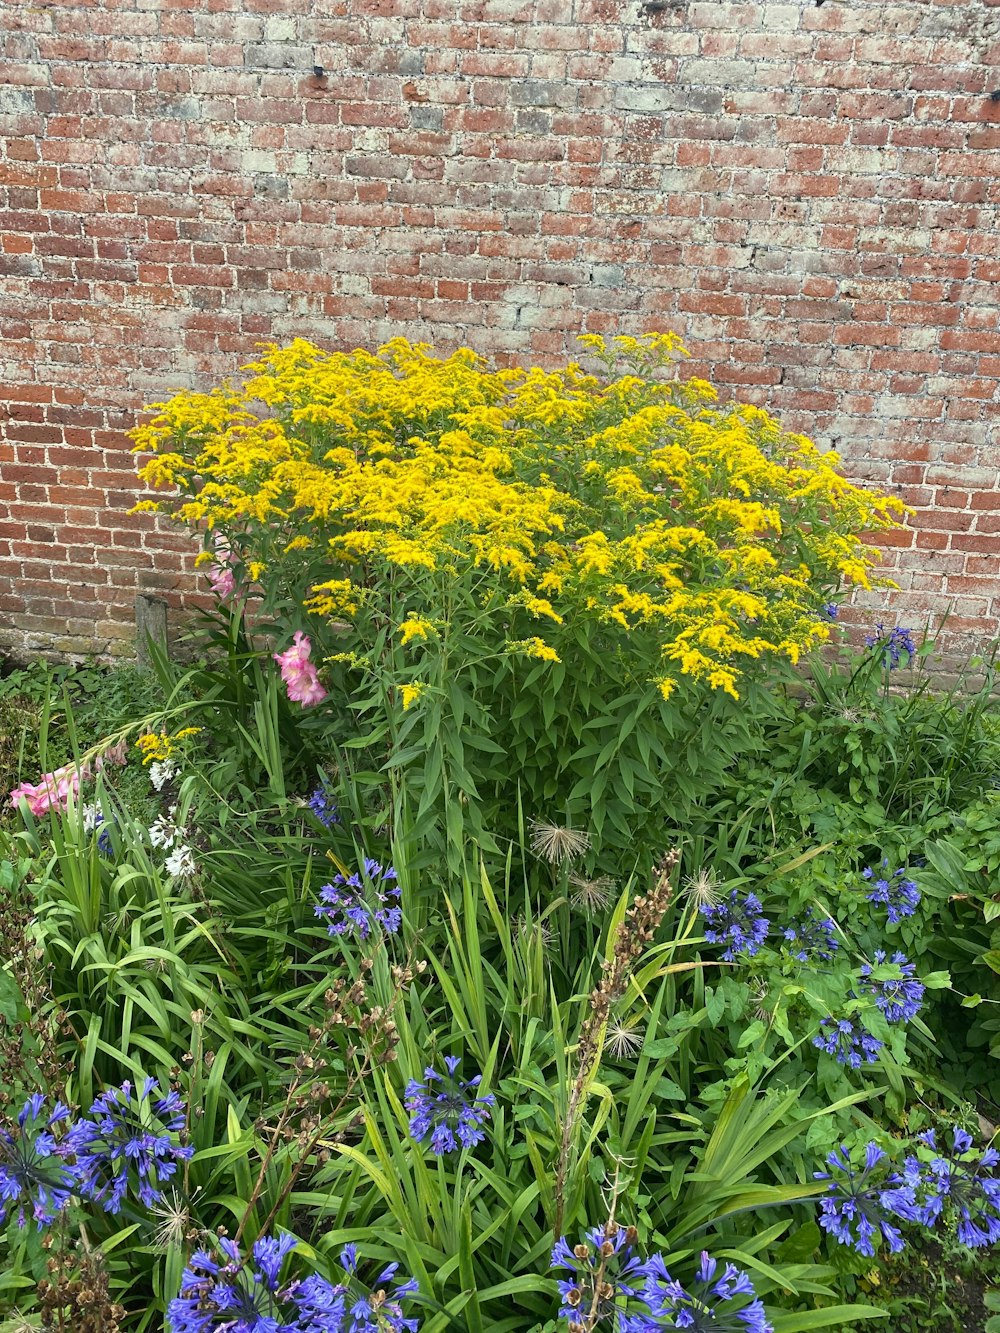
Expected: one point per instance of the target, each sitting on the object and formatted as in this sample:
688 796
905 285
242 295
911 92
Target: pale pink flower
220 574
52 792
299 673
223 581
115 754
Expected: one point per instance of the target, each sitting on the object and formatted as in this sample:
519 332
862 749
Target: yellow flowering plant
547 578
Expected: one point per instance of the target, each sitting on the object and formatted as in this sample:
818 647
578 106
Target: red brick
809 204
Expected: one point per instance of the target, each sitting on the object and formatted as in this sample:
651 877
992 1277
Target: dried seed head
557 843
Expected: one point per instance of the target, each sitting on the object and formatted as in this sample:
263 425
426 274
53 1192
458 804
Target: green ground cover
500 914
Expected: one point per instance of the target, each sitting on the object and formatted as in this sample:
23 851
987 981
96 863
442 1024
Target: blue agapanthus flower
323 807
847 1042
224 1292
378 1310
892 890
831 610
738 922
712 1302
812 938
892 644
352 904
130 1142
859 1201
453 1116
899 997
959 1184
605 1280
34 1175
221 1292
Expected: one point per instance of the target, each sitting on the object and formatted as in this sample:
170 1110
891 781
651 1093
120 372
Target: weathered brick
802 191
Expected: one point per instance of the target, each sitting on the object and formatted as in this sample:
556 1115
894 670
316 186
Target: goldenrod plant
553 568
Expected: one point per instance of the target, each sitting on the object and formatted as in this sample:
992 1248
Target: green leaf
10 997
834 1316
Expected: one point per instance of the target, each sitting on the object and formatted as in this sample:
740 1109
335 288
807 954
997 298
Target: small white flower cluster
92 816
165 833
181 863
161 772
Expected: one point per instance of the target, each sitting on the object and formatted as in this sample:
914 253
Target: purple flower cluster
128 1145
952 1183
849 1044
352 904
453 1116
892 644
858 1203
737 922
812 938
958 1182
899 895
604 1270
223 1292
34 1174
898 997
323 807
609 1283
715 1303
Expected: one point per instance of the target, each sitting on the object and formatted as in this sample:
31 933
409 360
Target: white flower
92 817
173 1221
161 772
163 832
180 863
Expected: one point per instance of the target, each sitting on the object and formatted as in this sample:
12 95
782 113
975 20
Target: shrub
540 578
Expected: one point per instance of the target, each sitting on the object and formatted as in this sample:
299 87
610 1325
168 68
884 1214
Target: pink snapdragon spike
223 581
299 673
220 573
52 792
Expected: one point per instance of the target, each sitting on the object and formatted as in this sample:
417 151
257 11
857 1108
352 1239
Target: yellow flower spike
334 597
723 680
534 647
155 746
411 693
415 628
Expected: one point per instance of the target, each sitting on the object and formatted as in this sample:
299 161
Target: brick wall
807 192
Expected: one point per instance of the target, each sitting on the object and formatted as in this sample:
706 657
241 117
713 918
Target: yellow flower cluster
631 502
410 693
157 746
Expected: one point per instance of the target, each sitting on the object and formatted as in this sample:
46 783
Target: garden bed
492 934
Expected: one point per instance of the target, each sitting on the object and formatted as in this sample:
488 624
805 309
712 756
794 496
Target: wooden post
150 628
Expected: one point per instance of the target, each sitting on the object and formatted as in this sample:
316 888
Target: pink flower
299 673
223 581
116 754
53 792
